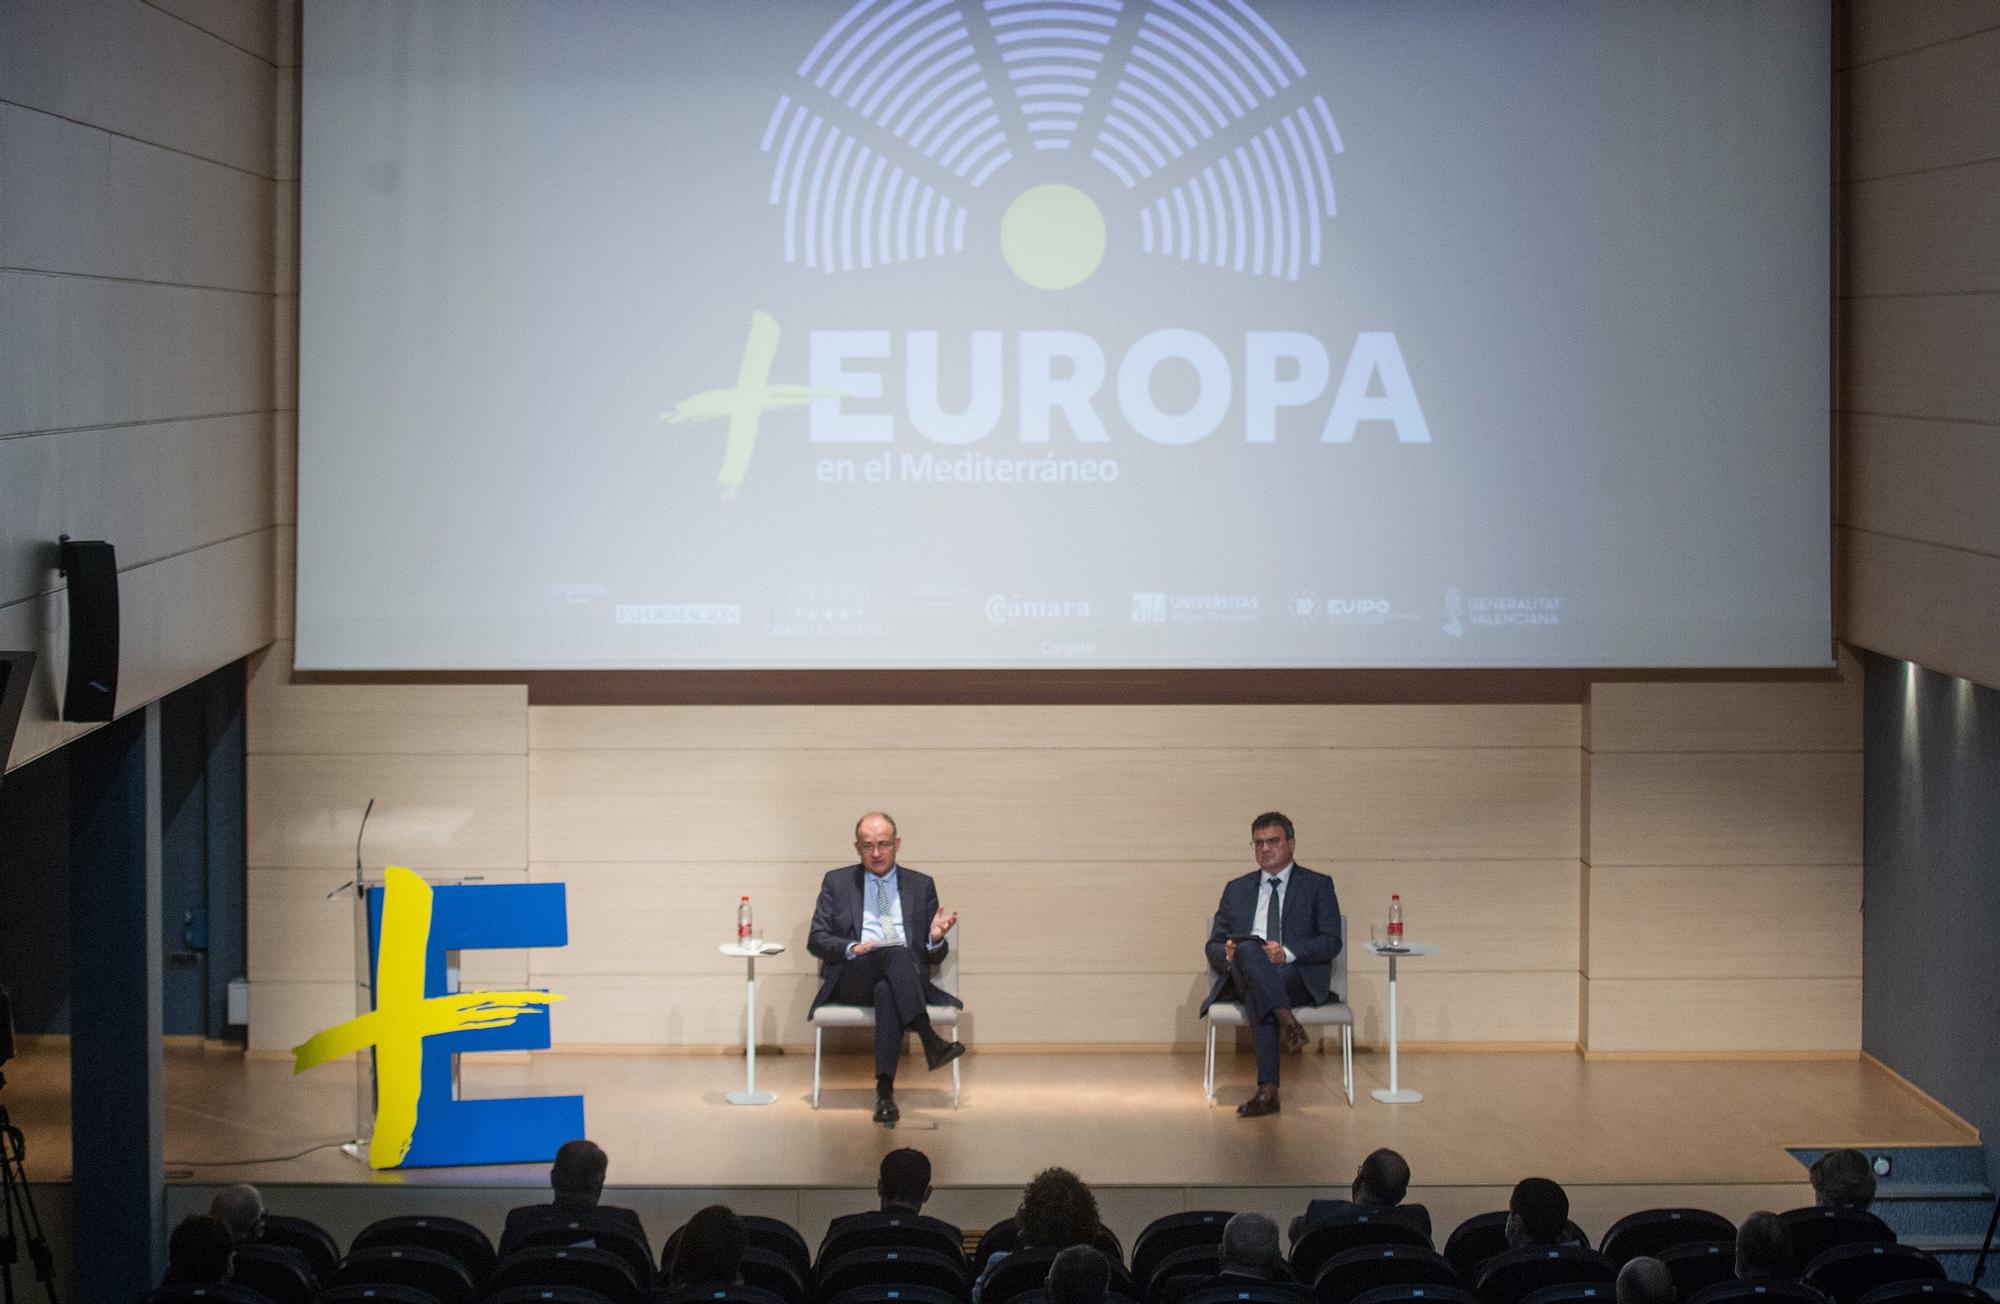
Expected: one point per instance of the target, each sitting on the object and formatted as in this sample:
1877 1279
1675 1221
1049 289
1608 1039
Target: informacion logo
678 613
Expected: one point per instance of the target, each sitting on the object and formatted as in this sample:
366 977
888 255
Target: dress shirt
1283 879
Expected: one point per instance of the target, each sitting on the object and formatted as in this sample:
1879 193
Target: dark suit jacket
1310 927
1319 1211
837 919
881 1217
531 1218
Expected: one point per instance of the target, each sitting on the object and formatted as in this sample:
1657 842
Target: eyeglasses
1268 842
890 845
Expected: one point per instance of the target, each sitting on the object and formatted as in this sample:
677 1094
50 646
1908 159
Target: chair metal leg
954 1078
1347 1061
818 1034
1208 1077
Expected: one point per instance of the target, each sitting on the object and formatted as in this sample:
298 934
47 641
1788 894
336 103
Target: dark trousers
1264 987
888 979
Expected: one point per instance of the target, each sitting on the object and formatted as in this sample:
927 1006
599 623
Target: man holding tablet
876 931
1272 947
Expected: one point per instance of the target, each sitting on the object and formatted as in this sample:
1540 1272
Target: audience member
1380 1184
1764 1249
903 1187
1057 1211
709 1252
576 1181
240 1208
1843 1179
1250 1249
1645 1280
201 1252
1537 1214
1079 1275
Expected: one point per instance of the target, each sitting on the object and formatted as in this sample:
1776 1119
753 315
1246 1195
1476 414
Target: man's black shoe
943 1053
886 1111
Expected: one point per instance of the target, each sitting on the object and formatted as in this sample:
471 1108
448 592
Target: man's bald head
239 1208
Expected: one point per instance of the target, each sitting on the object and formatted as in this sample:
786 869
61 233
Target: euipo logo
1454 613
1007 608
679 613
417 1026
1149 608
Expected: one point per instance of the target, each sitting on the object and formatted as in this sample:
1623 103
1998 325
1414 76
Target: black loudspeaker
6 1026
16 668
90 695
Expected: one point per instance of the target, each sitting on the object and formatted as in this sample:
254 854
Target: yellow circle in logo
1052 236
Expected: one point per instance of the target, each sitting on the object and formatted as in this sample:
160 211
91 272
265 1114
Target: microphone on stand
356 883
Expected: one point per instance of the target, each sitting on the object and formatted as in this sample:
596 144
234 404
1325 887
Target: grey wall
1931 845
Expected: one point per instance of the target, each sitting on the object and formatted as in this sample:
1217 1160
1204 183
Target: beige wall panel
431 812
284 618
155 491
1131 805
249 25
1727 1014
1926 233
285 470
380 718
298 934
677 1009
1697 717
179 619
1928 481
284 1014
717 728
1434 1005
285 241
1698 808
141 72
76 351
1926 604
1928 108
1133 1007
1925 355
284 374
1877 29
1520 915
103 205
662 918
285 127
1768 921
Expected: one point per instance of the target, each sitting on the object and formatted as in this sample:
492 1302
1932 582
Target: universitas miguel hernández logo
913 122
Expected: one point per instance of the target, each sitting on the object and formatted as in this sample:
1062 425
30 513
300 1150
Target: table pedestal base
1388 1097
759 1097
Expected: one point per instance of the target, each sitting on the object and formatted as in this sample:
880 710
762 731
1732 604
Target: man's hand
863 948
1274 952
941 923
1229 951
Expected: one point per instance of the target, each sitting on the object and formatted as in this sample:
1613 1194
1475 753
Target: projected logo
1212 148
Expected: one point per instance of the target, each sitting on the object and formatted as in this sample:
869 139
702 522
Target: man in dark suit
903 1185
1380 1184
576 1180
877 931
1272 947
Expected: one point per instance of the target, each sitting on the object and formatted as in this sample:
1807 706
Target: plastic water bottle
1395 918
743 922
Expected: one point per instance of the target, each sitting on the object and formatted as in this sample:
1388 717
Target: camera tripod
17 1210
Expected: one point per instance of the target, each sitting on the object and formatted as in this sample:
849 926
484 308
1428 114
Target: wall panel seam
1915 416
123 135
1917 294
155 561
135 280
144 421
1919 49
1925 543
1055 747
1914 172
215 36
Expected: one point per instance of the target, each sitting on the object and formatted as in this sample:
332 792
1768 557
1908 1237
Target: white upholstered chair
943 1017
1229 1014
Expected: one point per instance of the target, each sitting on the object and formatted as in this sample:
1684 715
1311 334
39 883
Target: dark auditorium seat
1698 1265
1175 1231
1241 1290
1483 1236
767 1269
1649 1231
712 1295
1041 1296
367 1294
451 1236
892 1231
891 1267
1756 1292
1323 1240
1512 1277
896 1295
1816 1230
278 1274
437 1275
1847 1272
1589 1292
1175 1274
1416 1295
780 1237
220 1293
1005 1235
1025 1270
1927 1292
321 1253
600 1233
1356 1272
545 1295
603 1271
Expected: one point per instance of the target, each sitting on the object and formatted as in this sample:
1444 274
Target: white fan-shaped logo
1196 114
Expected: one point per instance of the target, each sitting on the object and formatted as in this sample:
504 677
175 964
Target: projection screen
1033 333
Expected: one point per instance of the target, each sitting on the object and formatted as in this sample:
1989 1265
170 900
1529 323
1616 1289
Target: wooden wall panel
1879 29
283 1014
431 812
297 933
1923 356
1725 1014
1923 481
1934 232
250 27
1092 805
1923 603
1920 109
1707 921
1697 808
1702 717
289 718
1435 1005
